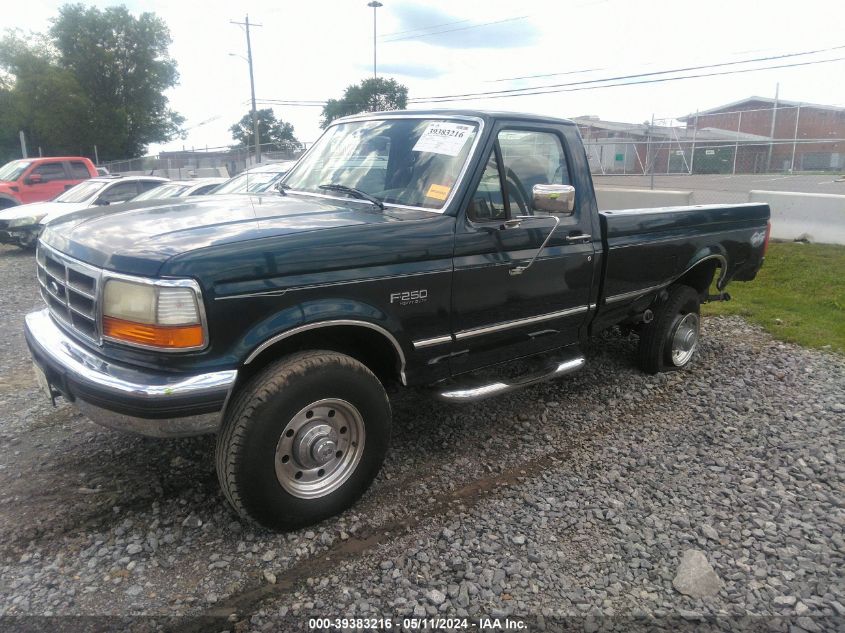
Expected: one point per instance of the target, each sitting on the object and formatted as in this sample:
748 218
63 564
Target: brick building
805 136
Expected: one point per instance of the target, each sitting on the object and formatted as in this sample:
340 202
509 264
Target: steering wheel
515 192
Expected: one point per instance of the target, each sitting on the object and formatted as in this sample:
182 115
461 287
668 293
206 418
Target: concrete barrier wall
614 198
815 217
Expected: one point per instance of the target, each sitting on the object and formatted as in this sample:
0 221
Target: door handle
580 236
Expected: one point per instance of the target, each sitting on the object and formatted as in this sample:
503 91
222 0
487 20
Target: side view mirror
102 202
557 199
34 179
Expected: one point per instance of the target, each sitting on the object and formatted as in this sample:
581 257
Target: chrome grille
70 289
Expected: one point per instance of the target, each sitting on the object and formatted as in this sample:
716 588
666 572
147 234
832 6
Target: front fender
316 313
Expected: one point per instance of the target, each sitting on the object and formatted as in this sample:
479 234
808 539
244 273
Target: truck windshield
81 192
12 171
401 161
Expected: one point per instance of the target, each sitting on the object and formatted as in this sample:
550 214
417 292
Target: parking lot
569 504
729 189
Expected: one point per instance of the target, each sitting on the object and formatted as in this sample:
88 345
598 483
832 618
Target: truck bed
645 250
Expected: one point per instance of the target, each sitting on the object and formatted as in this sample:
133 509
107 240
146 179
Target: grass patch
798 295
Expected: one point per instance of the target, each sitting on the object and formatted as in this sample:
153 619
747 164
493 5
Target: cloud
429 25
418 71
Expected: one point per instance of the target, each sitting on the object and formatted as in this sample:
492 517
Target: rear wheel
669 342
303 440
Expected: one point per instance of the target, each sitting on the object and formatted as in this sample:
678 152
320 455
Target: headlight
27 221
153 315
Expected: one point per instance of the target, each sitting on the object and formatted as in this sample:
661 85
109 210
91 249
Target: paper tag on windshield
444 137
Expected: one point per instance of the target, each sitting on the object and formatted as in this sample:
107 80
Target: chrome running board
480 392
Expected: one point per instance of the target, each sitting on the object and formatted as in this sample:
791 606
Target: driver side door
498 313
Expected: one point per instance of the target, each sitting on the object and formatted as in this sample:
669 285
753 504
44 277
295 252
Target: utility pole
375 4
246 26
23 144
651 157
772 131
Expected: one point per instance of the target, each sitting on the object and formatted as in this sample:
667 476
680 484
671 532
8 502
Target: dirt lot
570 505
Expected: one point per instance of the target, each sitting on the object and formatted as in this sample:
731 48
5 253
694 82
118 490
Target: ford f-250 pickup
416 248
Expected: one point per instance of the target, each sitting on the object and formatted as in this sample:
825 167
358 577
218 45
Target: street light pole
246 26
375 4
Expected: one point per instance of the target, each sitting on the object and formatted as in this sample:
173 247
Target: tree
40 98
123 67
97 78
371 95
270 130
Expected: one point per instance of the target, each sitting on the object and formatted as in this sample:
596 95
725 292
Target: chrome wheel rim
685 339
320 448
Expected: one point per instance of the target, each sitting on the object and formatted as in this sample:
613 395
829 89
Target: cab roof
488 116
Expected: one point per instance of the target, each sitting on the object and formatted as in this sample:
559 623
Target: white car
257 179
22 225
181 189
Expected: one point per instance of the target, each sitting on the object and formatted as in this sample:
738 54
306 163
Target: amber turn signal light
166 336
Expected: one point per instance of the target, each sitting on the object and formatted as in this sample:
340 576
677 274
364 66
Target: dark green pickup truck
416 248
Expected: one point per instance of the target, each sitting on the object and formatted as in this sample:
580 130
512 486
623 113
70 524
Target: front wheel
671 339
303 440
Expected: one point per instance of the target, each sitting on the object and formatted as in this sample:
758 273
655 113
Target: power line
568 72
462 28
425 28
590 84
623 77
633 83
304 104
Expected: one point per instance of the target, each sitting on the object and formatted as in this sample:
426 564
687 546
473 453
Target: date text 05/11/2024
413 624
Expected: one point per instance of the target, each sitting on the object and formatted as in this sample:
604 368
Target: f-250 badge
409 297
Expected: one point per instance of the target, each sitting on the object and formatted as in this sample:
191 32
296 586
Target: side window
531 158
487 202
50 171
201 191
146 185
79 171
121 192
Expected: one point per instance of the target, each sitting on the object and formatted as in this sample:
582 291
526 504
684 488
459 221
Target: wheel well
368 346
700 276
7 203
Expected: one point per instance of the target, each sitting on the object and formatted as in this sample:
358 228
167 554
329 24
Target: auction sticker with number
444 137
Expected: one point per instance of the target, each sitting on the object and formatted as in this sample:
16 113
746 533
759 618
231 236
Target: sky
312 50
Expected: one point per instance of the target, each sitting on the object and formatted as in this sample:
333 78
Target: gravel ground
570 505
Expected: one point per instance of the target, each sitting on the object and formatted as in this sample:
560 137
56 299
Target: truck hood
139 237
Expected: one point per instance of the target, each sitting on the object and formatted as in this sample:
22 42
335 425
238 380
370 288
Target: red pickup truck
38 179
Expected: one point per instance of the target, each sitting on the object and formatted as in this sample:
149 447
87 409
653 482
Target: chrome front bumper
157 404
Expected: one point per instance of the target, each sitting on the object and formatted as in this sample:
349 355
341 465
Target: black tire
258 415
655 348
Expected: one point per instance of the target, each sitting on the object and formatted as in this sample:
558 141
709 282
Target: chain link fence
721 155
214 161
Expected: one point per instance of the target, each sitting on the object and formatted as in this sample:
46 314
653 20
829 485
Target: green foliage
798 295
371 95
97 78
44 100
270 130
